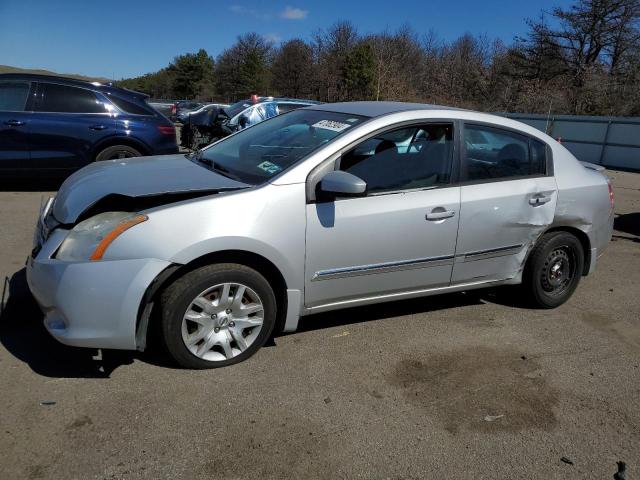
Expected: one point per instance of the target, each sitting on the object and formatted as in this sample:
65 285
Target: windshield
237 107
258 153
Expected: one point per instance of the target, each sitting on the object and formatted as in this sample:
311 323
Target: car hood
135 177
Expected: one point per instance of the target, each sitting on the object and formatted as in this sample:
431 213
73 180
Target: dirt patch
629 334
284 447
479 389
36 471
80 422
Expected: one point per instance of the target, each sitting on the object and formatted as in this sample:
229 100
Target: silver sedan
318 209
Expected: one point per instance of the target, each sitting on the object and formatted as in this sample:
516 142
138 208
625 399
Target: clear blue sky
115 38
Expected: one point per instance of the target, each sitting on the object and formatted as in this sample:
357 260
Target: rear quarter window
128 107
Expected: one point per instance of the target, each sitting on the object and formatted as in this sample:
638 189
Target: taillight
167 129
612 199
174 109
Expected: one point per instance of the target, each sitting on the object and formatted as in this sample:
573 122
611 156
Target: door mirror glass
343 184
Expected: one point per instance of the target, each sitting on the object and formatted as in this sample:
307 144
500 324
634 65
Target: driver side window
403 159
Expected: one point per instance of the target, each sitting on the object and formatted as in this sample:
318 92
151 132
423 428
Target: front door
14 126
398 238
508 198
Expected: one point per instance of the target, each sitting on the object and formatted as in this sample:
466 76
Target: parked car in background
57 125
326 207
185 115
183 106
166 108
210 125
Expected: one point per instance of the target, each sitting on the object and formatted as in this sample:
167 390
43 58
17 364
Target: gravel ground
467 385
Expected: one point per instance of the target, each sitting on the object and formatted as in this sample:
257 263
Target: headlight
90 238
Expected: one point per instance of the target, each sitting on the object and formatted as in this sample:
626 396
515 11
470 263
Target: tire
117 151
554 269
201 330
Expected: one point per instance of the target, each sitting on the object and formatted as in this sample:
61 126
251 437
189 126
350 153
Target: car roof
103 87
377 109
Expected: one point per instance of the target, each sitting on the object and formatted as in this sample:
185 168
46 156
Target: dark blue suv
57 125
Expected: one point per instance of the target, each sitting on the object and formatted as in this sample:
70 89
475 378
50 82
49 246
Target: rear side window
493 153
64 99
13 96
128 107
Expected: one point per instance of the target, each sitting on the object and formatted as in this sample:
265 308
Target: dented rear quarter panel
583 199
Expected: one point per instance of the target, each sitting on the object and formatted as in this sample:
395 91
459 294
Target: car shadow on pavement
628 223
22 332
24 336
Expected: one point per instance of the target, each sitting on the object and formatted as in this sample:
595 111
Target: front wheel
217 315
554 269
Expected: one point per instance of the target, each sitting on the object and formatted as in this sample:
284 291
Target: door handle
98 127
14 123
438 214
539 200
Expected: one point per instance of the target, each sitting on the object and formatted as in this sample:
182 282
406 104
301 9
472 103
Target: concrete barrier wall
608 141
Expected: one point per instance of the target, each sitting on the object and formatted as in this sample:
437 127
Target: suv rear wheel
217 315
554 269
117 151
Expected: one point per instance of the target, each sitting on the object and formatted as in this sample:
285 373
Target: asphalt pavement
469 385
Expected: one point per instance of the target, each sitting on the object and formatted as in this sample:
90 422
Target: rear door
68 123
14 125
508 197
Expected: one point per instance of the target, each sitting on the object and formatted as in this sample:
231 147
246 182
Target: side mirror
343 184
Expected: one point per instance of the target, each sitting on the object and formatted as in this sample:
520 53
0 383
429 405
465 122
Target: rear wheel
217 315
554 269
117 151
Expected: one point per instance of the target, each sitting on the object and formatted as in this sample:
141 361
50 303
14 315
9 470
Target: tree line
583 60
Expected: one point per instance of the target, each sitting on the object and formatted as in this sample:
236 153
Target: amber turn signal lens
115 233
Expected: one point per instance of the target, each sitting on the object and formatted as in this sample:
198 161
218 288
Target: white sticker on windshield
331 125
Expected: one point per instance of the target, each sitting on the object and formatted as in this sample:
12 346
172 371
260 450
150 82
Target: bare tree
582 59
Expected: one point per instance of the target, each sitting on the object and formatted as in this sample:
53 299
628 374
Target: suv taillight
167 129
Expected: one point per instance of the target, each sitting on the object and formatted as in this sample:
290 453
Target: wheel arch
118 140
146 311
584 239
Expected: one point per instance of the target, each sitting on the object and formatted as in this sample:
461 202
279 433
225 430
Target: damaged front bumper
90 304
